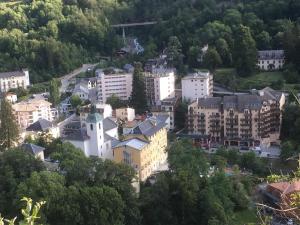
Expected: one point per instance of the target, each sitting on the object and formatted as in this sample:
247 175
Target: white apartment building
125 114
28 112
14 79
197 85
116 82
270 59
160 85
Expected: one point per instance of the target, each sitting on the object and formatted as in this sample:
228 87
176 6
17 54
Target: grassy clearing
228 77
245 217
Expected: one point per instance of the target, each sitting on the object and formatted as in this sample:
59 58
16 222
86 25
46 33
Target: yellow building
144 148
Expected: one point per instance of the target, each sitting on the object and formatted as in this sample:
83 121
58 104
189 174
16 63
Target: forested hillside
52 37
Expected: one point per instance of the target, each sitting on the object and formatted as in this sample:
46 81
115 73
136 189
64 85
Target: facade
81 91
144 148
15 79
11 97
96 135
167 108
270 59
125 114
113 82
242 120
197 85
28 112
160 84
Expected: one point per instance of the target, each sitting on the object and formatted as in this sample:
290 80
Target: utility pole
124 37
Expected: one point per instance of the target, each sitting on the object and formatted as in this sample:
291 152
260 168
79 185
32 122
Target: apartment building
113 82
28 112
242 120
160 85
270 59
14 79
197 85
144 148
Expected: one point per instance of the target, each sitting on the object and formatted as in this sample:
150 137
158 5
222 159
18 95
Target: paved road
65 80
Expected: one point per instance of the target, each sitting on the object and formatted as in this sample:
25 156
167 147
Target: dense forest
53 37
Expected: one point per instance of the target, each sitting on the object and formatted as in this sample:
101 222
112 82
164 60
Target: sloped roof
148 127
133 143
210 102
40 125
31 148
77 135
271 54
269 94
108 124
12 74
242 102
287 187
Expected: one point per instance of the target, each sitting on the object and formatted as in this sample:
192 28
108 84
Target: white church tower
94 127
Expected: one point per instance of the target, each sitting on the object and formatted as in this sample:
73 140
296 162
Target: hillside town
149 112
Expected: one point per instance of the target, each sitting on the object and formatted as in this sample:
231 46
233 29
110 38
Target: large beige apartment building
239 120
14 79
28 112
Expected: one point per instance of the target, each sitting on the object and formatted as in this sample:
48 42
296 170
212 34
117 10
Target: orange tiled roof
287 187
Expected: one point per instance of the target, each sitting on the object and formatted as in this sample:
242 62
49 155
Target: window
99 125
126 157
91 126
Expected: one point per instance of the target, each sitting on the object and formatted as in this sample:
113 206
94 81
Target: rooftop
12 74
197 75
287 187
270 54
31 148
133 143
148 127
40 125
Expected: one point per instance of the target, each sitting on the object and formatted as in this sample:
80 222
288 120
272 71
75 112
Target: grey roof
162 118
114 141
94 118
148 127
210 102
12 74
270 54
242 102
77 135
31 148
133 143
80 88
108 124
197 75
40 125
269 94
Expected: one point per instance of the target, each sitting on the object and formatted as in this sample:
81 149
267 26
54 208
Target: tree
75 101
174 52
9 130
54 92
245 53
180 115
138 96
115 102
212 59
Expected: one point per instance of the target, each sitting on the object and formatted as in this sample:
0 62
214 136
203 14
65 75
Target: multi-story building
167 108
125 114
270 59
160 84
242 120
103 109
197 85
28 112
15 79
144 148
113 82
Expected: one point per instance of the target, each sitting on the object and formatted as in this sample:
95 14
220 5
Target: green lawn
246 217
228 77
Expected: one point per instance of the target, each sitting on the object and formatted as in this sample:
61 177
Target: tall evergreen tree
9 131
54 92
174 52
245 52
138 98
